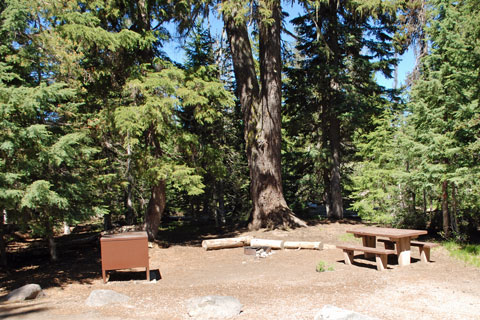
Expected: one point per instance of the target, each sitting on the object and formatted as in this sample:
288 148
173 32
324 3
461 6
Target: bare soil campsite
283 285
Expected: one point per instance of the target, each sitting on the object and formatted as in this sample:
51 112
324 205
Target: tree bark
52 246
335 183
333 121
327 194
315 245
155 209
453 212
3 245
262 116
130 213
107 221
223 243
274 244
446 224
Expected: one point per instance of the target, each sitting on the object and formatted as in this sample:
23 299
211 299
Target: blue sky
174 51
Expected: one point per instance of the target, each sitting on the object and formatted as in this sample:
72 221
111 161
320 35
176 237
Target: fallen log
214 244
274 244
315 245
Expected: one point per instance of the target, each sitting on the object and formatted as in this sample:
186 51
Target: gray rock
27 292
98 298
213 307
333 313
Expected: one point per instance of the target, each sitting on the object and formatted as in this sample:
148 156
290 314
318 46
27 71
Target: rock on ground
27 292
213 307
98 298
333 313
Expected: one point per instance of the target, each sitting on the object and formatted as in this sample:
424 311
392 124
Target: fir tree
332 91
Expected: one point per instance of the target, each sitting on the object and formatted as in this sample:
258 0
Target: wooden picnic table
401 237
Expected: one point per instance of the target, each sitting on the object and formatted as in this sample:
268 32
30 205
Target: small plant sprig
322 266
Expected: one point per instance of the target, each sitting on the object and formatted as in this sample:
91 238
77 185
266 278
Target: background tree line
97 122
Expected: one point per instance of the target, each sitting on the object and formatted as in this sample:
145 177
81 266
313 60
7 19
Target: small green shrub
470 253
322 266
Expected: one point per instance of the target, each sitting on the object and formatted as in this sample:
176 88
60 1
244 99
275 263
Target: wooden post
381 260
389 245
403 251
424 253
369 241
348 256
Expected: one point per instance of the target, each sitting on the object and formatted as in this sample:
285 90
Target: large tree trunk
327 193
335 183
262 115
332 118
155 209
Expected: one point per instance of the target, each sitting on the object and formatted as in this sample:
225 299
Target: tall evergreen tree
46 148
445 100
333 92
261 106
213 156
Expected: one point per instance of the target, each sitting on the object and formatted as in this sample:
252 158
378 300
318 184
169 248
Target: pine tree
213 156
46 151
332 92
444 101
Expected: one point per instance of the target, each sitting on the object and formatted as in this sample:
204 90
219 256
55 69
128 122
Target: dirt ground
284 285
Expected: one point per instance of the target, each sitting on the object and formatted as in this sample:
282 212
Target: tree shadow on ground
80 262
192 234
31 264
13 311
370 263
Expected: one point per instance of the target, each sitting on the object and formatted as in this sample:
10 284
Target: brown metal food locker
124 251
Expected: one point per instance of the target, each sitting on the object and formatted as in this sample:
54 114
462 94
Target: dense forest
98 123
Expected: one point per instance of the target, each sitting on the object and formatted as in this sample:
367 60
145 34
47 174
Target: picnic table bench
381 255
424 247
401 237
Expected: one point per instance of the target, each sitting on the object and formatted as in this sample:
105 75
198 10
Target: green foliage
375 180
469 253
434 142
322 266
331 80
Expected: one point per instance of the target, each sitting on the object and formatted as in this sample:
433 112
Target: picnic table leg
424 254
348 257
381 262
369 241
403 251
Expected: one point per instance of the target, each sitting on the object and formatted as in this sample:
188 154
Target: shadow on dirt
191 234
124 276
79 261
13 311
29 262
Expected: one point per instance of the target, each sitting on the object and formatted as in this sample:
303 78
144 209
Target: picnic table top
387 232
